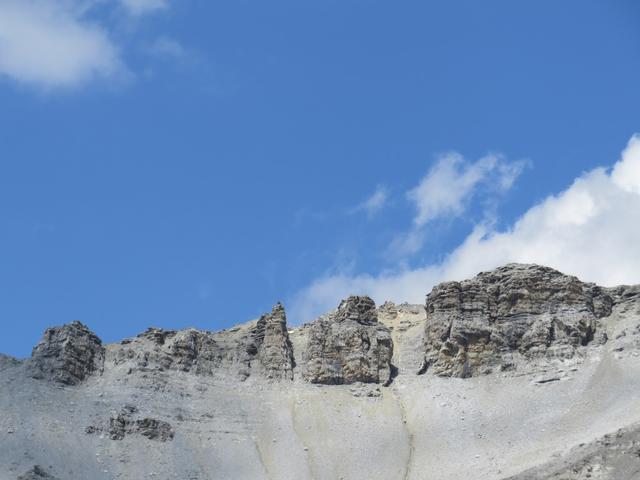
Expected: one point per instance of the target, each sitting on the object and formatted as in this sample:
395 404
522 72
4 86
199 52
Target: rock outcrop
36 473
125 423
187 350
67 354
517 311
349 346
271 347
260 348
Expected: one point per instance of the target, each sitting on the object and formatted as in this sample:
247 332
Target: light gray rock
349 346
67 354
187 350
261 348
489 322
271 346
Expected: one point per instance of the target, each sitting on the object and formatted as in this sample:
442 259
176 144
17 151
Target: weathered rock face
185 350
349 346
271 346
260 348
67 354
486 323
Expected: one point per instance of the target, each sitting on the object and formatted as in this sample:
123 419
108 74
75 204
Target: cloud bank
591 229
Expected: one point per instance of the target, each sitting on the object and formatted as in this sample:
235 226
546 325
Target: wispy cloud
372 204
166 47
591 229
447 190
452 182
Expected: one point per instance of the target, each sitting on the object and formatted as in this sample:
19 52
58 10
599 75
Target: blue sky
185 163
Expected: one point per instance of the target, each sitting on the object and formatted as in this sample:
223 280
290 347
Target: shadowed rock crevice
349 346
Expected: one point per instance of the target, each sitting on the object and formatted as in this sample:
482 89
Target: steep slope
501 376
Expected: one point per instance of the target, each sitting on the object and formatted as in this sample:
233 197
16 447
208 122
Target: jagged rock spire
272 346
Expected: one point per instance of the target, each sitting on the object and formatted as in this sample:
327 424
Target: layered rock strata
517 311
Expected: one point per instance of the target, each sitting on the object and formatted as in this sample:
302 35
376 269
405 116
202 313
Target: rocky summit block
349 346
511 313
67 354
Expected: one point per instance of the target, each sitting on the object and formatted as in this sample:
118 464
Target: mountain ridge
289 394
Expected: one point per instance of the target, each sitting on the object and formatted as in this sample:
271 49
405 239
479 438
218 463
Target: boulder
349 346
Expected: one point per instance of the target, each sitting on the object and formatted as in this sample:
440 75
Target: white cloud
64 43
140 7
48 43
592 230
374 203
452 182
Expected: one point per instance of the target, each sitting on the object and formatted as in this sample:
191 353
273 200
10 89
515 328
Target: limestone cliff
504 317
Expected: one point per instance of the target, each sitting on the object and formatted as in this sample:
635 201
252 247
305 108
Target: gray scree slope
519 373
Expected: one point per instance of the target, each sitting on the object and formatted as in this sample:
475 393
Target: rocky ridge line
497 321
